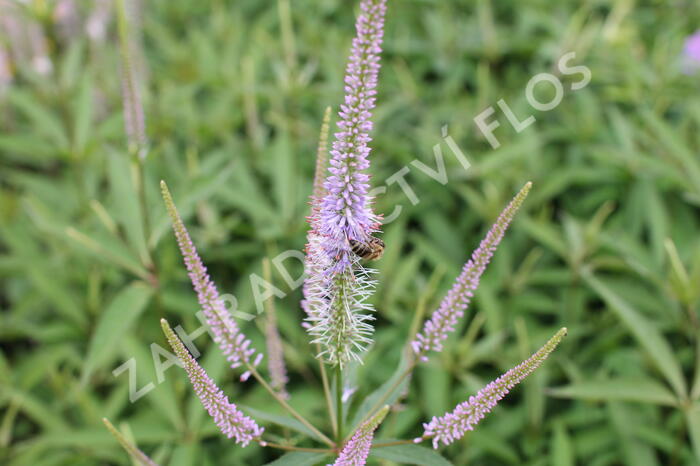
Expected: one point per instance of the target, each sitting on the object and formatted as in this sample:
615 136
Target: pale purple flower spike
452 426
346 211
233 343
338 287
691 54
443 320
230 420
356 451
134 118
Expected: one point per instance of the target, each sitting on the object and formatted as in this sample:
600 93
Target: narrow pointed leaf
648 336
410 454
637 389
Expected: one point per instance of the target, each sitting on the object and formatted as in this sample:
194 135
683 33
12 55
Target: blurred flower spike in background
691 54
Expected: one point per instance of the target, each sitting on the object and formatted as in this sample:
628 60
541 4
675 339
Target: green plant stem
287 407
293 448
327 392
339 402
397 442
141 188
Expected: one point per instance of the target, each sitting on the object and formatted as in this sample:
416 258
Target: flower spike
338 286
134 119
356 451
452 426
346 212
443 320
233 343
230 420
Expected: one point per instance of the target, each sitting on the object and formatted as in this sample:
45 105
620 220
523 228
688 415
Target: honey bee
371 250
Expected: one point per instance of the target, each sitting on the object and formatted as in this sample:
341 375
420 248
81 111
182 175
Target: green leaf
114 322
186 454
546 234
126 204
72 63
410 454
561 450
34 408
43 121
640 390
106 247
31 149
695 393
693 418
56 292
83 115
280 420
634 451
646 334
674 146
163 396
435 380
299 458
284 176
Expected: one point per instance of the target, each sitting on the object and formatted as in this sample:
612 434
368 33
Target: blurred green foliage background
607 243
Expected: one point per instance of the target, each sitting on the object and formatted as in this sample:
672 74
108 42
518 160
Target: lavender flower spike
233 343
338 286
452 307
230 420
452 426
134 119
355 452
346 212
691 54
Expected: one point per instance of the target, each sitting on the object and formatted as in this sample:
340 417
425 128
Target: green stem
289 409
339 402
397 442
293 448
327 392
141 188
